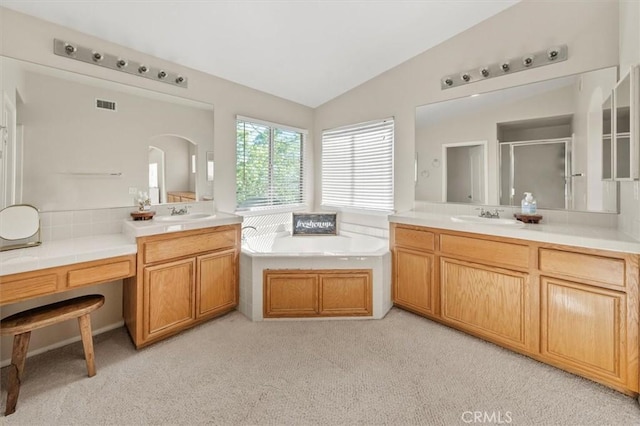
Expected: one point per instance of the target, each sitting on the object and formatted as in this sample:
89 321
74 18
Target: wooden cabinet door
584 330
217 283
491 302
168 296
413 281
290 295
345 294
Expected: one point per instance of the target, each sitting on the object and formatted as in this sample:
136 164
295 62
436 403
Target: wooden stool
22 323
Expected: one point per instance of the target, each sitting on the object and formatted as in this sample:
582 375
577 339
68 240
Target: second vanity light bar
91 56
532 60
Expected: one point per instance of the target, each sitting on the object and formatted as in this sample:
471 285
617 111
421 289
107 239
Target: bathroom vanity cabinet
574 308
414 281
183 278
486 289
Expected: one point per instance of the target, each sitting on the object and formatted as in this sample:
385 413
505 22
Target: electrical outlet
132 190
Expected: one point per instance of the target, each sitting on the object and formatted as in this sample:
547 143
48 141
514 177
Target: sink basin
184 217
487 221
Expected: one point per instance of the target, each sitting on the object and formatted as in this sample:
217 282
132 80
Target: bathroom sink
487 221
184 217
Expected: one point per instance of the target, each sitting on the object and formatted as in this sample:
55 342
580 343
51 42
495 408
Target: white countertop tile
573 235
65 252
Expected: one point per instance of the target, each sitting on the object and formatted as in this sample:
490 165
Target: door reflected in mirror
465 172
562 117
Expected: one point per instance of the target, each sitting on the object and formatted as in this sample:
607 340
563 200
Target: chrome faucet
488 214
245 227
179 212
496 214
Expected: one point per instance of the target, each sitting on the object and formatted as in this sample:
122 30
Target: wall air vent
103 104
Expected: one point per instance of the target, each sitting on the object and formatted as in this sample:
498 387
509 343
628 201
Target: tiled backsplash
61 225
558 217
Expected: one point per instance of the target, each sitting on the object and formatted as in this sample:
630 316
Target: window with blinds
269 165
357 166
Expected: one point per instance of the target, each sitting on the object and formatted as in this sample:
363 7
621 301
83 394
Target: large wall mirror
78 142
543 137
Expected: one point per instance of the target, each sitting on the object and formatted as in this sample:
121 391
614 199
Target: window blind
357 166
269 165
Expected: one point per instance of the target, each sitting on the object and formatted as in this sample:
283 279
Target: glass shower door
542 168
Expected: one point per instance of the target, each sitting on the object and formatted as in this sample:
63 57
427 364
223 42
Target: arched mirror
19 222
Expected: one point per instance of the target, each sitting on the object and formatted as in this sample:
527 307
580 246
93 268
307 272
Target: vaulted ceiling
305 51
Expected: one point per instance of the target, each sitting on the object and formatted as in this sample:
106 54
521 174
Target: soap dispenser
528 205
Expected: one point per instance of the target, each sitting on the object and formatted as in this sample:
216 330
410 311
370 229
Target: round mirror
19 221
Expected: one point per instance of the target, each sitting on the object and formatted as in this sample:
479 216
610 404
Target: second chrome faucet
179 212
488 214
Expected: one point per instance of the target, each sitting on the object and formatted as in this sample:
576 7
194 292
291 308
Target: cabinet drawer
157 251
484 250
602 269
414 238
100 273
26 288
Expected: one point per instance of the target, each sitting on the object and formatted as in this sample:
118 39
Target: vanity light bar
533 60
91 56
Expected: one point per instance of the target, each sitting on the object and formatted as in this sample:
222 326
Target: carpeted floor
400 370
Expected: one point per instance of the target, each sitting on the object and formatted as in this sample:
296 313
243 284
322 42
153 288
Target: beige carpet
400 370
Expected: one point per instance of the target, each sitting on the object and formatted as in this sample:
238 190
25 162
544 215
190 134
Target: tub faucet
245 227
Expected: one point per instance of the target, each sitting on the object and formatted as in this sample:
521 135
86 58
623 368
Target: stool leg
18 357
87 342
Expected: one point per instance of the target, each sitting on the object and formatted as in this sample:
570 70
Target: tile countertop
75 250
65 252
141 228
572 235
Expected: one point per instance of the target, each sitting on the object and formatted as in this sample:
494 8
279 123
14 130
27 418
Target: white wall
588 28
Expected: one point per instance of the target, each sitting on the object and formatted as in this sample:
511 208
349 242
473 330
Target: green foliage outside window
268 166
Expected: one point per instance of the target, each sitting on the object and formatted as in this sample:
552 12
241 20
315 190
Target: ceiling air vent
103 104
